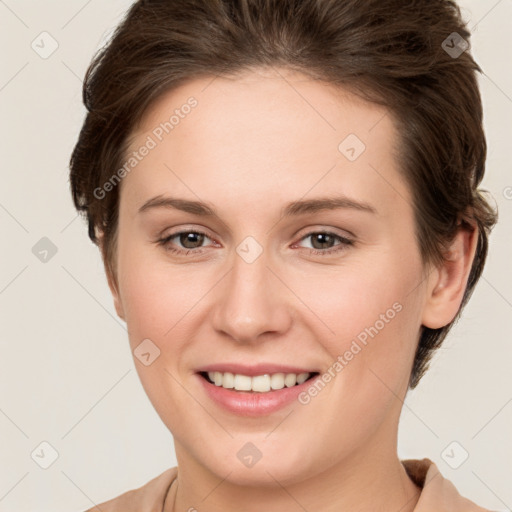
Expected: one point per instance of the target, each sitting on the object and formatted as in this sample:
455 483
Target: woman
285 194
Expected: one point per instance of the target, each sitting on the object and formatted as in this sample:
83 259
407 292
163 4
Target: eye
323 242
190 241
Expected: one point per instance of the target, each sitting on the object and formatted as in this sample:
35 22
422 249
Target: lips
253 396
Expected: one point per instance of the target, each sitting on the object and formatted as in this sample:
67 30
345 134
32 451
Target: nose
251 302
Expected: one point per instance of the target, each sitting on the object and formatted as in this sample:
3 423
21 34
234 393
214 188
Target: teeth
258 383
277 381
241 382
290 380
227 380
302 377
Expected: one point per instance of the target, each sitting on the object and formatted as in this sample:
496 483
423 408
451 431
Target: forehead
266 130
259 102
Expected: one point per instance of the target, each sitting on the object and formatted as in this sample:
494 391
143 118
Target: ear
447 283
112 280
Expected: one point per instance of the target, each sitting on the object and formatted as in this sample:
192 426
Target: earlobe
447 283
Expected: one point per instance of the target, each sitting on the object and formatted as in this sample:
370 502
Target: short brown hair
392 52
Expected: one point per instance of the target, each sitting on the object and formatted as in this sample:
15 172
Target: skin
253 144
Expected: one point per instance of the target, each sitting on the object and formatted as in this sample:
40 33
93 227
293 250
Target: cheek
373 315
362 301
158 298
371 362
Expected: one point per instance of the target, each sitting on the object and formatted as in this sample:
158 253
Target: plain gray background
67 377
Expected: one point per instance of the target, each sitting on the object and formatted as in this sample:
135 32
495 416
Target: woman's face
271 285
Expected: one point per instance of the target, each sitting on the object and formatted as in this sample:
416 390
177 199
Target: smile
256 395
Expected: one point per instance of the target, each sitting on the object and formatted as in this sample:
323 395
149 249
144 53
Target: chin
249 466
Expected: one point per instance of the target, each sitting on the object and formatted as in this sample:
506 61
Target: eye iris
324 238
186 238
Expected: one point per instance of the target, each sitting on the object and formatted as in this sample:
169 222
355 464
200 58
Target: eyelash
342 246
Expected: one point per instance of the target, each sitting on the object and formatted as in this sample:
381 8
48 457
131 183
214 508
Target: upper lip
255 369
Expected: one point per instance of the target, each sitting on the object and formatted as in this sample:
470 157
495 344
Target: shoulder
437 492
147 498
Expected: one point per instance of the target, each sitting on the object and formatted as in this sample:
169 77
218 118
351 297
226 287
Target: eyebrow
294 208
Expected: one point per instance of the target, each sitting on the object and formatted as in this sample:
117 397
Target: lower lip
252 403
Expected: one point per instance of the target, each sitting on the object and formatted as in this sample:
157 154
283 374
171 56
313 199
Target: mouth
254 390
263 383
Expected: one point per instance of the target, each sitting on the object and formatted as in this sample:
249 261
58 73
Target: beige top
438 494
